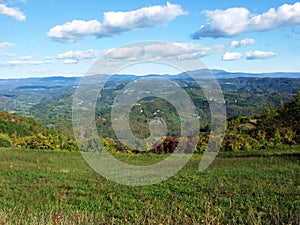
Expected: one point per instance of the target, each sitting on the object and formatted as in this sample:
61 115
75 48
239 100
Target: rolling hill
23 132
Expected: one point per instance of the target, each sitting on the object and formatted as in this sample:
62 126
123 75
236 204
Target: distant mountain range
60 81
225 74
9 84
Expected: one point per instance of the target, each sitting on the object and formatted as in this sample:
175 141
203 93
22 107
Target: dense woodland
23 132
262 113
244 96
275 127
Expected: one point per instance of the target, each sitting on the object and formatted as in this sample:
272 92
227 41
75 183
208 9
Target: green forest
23 132
276 125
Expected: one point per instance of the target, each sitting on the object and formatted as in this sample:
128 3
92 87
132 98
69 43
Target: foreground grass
44 187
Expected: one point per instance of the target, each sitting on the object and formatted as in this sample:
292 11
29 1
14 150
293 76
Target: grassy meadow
53 187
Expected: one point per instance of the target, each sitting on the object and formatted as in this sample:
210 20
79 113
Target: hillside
23 132
20 95
246 100
244 96
275 127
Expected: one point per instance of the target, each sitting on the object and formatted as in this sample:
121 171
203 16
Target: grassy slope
46 187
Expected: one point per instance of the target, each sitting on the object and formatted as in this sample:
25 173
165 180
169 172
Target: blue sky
64 38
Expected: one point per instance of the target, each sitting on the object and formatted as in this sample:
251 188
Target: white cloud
26 57
125 53
6 45
71 61
74 30
72 57
116 23
147 52
230 56
49 57
164 51
236 44
15 13
161 51
3 46
250 55
201 50
150 52
235 21
16 63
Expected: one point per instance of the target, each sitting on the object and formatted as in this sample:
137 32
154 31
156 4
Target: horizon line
153 74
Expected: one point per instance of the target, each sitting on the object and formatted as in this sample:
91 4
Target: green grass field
51 187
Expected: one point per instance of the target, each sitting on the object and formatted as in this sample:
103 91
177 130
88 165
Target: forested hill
275 127
24 132
250 125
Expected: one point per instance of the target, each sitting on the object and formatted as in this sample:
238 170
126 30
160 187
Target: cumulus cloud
15 13
116 23
230 56
237 44
251 55
235 21
74 30
72 57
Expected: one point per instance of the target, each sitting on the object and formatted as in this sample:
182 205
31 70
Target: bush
4 143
